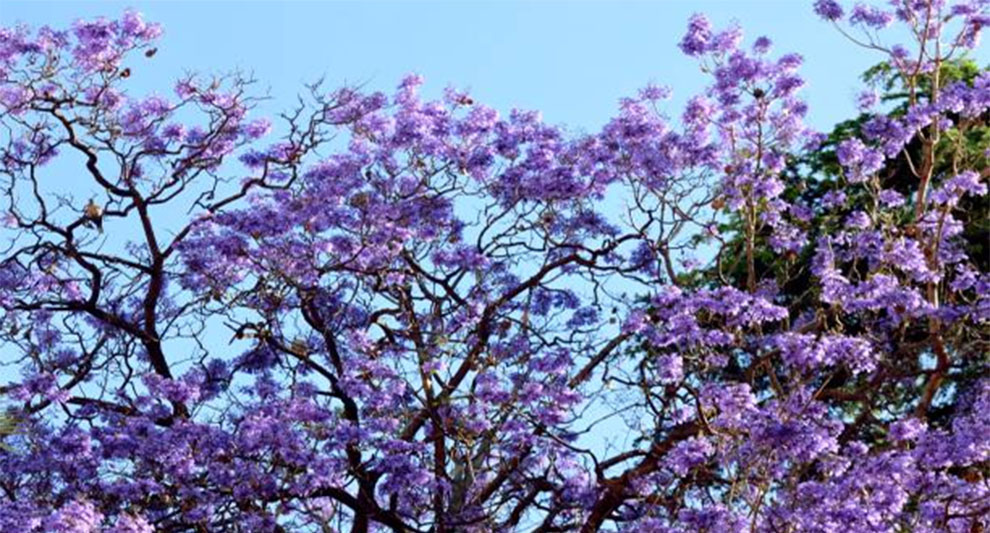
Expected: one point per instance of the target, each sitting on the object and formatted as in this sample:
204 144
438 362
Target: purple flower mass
387 313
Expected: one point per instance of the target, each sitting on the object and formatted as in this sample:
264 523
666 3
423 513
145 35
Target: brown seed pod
299 348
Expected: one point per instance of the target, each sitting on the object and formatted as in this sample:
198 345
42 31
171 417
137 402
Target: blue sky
571 60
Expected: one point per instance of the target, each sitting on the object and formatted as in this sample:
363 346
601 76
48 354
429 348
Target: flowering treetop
432 309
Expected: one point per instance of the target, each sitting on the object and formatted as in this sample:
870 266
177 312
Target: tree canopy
387 313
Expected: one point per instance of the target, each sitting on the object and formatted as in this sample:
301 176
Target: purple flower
908 429
850 152
670 369
654 92
870 16
75 517
867 100
762 45
257 128
891 198
698 37
828 9
858 160
834 199
689 454
858 220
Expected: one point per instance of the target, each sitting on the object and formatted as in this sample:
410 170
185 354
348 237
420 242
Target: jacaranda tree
421 316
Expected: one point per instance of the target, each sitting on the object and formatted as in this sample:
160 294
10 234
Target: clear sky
571 60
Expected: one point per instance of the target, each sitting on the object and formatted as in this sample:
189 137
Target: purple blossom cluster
416 315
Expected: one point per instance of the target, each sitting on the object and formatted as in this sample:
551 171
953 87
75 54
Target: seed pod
299 348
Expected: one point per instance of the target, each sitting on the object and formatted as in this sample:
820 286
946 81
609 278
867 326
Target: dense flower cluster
418 315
